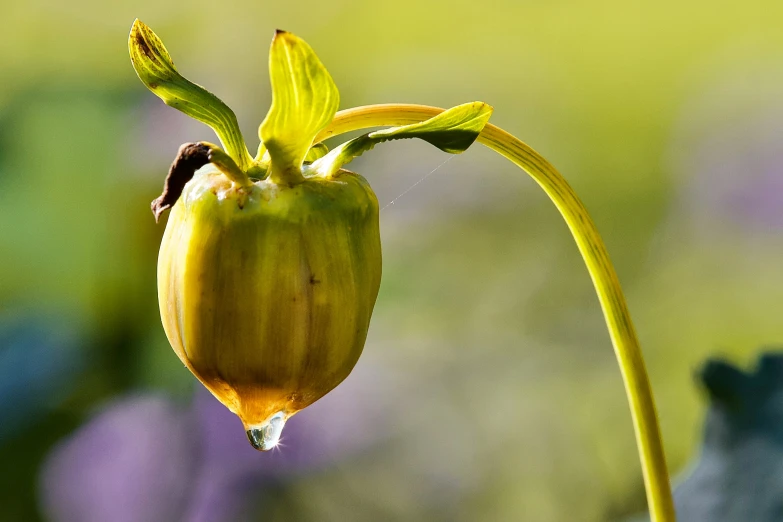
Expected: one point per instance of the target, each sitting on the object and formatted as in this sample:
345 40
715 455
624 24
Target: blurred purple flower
148 458
735 171
133 462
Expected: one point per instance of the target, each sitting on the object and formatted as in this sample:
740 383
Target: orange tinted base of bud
255 404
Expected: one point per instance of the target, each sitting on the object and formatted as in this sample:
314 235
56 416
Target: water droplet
266 435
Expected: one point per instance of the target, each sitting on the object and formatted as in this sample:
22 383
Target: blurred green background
500 396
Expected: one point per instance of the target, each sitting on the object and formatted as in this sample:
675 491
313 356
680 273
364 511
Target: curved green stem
607 286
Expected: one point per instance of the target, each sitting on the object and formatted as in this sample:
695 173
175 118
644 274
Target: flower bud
266 291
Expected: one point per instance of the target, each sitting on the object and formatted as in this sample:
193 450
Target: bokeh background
488 388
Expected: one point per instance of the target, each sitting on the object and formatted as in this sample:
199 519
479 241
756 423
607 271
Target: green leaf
304 101
452 131
156 70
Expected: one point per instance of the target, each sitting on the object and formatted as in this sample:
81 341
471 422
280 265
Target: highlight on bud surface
270 266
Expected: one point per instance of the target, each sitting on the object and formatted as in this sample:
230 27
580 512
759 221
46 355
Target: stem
607 286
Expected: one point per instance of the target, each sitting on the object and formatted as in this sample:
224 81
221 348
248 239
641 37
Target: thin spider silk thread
390 203
430 173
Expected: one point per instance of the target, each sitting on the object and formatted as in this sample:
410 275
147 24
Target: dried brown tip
190 158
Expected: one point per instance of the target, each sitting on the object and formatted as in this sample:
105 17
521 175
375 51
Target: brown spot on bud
190 158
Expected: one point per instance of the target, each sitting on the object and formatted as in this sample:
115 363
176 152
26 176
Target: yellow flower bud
266 291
